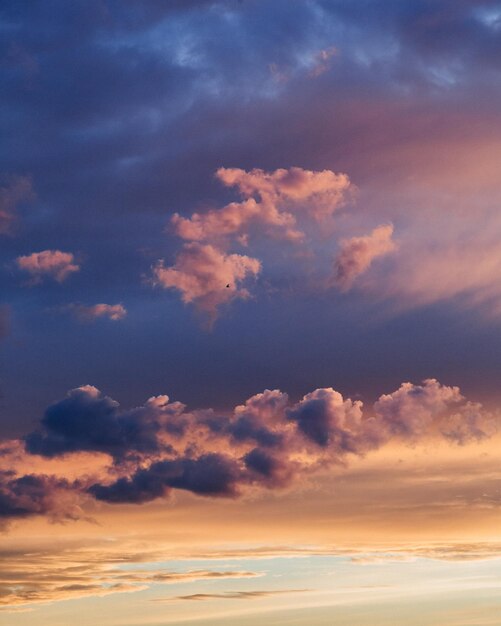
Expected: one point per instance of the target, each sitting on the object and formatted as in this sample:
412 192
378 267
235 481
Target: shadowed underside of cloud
267 442
28 495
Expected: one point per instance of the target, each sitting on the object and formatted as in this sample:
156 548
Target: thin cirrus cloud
53 264
82 572
89 313
234 595
265 443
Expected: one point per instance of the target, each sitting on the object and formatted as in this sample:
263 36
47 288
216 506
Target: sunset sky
250 312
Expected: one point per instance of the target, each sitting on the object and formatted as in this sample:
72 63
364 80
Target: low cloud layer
267 442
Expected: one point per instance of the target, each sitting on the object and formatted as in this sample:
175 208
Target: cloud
234 595
410 410
274 204
357 254
267 442
206 276
48 263
29 495
90 313
86 420
41 575
273 200
14 191
327 419
322 61
208 475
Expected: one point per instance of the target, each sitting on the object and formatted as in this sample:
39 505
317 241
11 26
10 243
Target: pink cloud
325 191
273 200
113 312
274 204
206 276
410 410
48 263
358 253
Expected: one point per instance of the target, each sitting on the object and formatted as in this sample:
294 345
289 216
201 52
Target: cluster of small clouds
52 264
59 266
275 205
267 442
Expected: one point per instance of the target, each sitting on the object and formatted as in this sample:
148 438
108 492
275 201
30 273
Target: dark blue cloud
89 421
208 475
31 494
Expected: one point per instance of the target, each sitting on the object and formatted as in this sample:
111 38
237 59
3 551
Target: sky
250 312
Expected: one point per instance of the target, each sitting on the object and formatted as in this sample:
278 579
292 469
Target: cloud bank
267 442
